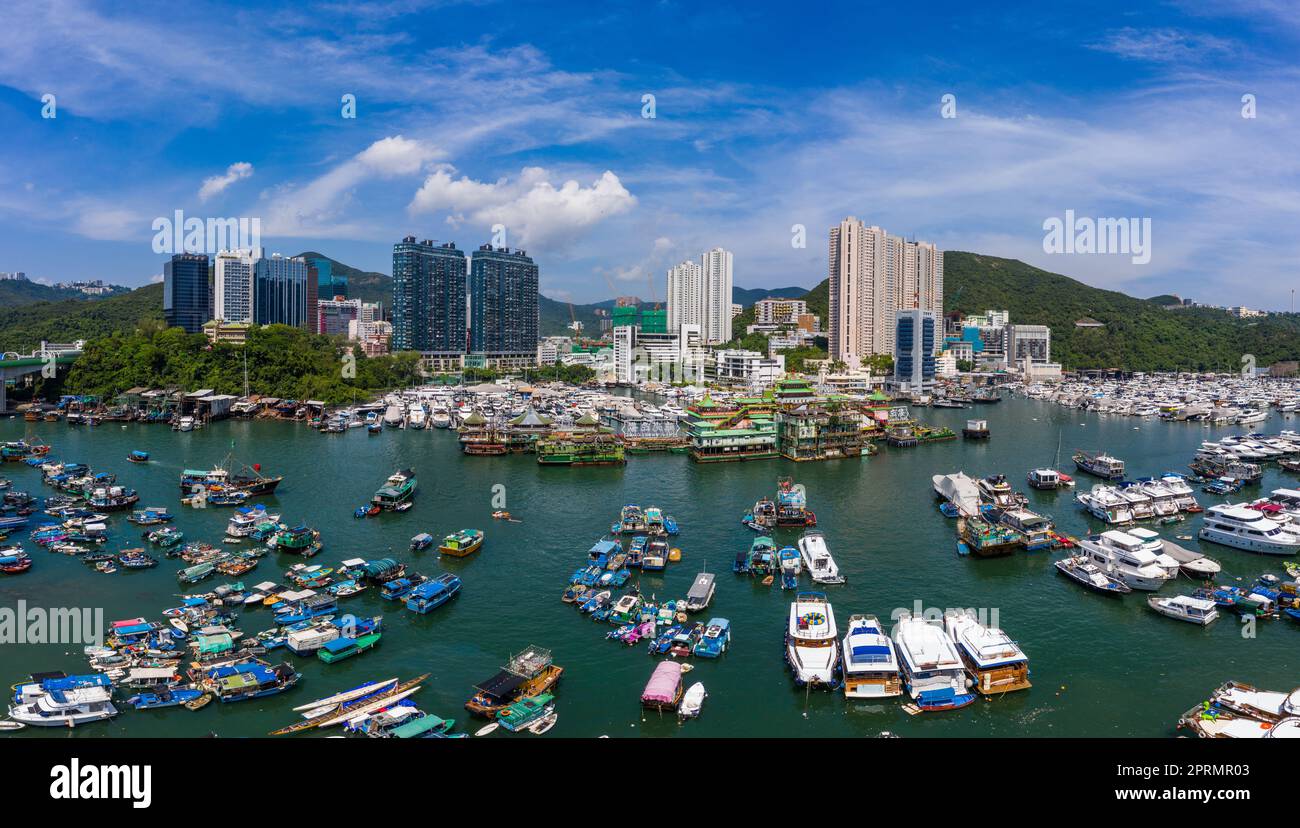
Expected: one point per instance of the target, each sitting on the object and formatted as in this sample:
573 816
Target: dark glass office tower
187 297
330 282
428 297
503 302
280 291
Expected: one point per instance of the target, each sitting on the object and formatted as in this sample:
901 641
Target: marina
891 550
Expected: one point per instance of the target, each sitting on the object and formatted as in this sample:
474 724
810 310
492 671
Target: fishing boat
249 680
762 518
150 516
519 715
817 558
655 557
870 661
983 538
299 540
631 521
194 574
432 594
811 647
246 519
136 559
995 662
692 701
345 647
421 541
664 689
398 489
527 674
790 566
166 697
462 544
1099 464
792 504
715 638
1080 570
933 672
249 479
1185 608
59 700
399 588
346 706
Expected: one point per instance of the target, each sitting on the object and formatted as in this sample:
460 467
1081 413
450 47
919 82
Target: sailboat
1050 478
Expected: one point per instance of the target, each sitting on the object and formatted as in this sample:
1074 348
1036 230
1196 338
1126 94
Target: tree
879 364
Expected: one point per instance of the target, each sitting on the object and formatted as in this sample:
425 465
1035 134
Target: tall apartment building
232 299
700 294
503 303
776 310
280 291
429 297
186 294
872 275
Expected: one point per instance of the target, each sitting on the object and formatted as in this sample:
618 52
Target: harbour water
1100 667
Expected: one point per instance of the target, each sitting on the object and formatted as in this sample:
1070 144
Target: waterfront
1100 667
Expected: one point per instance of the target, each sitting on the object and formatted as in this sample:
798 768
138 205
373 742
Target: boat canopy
664 683
418 727
604 547
502 685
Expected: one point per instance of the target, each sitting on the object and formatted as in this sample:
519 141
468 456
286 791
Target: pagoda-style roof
531 419
474 419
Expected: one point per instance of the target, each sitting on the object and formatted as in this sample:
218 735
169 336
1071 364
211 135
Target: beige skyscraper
872 275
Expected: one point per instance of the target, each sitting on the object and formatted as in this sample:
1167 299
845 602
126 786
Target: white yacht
1138 501
393 414
63 701
247 519
440 419
933 672
811 645
1247 529
1171 557
1163 500
1183 494
416 417
1124 557
1266 705
994 661
1105 503
1185 608
817 558
870 663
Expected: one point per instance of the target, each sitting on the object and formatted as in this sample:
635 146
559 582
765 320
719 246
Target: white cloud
532 208
216 184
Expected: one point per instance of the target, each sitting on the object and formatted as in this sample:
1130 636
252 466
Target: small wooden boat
486 729
544 724
198 703
138 457
9 724
463 543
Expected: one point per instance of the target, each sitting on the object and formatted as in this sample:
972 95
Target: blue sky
471 114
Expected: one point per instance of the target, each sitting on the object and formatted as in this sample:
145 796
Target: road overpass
48 359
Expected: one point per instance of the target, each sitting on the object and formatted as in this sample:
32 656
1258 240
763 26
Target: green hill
1139 334
366 285
22 328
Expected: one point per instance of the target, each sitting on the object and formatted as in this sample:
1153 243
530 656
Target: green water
1100 666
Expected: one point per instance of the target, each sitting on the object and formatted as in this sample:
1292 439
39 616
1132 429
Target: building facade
186 296
503 303
778 311
700 294
915 342
233 286
280 291
429 297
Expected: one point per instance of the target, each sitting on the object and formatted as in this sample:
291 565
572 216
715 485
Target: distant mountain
1139 334
22 328
15 292
366 285
746 297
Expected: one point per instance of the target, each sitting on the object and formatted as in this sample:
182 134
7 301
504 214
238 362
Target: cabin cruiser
1248 529
1129 559
1289 502
994 661
1105 503
1184 497
1265 705
58 700
870 662
996 490
811 645
817 558
1099 464
1171 557
933 672
1139 501
1048 479
1185 608
1036 530
246 520
1163 501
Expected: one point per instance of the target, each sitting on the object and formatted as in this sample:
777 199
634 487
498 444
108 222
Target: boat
347 646
1263 705
811 647
1083 571
59 700
138 457
701 592
1248 529
692 701
995 662
933 672
1185 608
655 557
1191 562
958 489
817 560
870 661
432 594
333 712
1045 479
1099 464
519 715
976 430
166 697
983 538
528 673
249 680
715 639
1105 503
790 565
664 689
398 489
462 544
762 518
249 479
792 504
631 521
300 540
1127 558
421 541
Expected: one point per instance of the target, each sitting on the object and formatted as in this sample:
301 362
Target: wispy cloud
217 184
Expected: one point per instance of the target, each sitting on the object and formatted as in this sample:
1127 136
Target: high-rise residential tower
700 294
233 285
685 295
429 297
503 303
186 296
